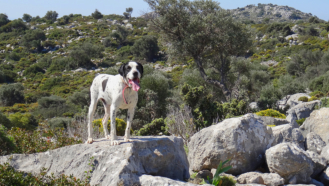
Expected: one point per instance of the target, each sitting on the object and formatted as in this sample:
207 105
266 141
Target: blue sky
16 8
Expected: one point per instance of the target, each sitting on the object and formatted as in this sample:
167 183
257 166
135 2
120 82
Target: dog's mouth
134 84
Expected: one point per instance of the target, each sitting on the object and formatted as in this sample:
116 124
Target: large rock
314 142
318 123
319 163
290 162
324 178
268 179
286 133
325 153
266 120
243 140
303 110
148 180
291 100
113 165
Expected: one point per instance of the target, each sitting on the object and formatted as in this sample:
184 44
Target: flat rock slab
113 165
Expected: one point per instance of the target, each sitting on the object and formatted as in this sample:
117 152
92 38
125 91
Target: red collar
123 93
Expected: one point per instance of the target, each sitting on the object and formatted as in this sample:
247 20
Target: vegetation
202 64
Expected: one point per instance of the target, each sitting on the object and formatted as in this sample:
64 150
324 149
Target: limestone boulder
286 133
319 163
314 143
291 100
148 180
324 178
268 179
291 162
303 110
266 120
318 122
112 165
242 140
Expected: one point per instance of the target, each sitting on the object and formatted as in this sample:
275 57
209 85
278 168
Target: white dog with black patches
119 91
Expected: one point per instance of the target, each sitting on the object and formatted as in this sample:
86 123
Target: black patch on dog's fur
140 68
122 70
104 84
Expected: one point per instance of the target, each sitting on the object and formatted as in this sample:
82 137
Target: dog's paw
90 141
114 142
125 139
108 137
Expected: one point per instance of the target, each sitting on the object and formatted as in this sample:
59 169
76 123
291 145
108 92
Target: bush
81 98
300 121
146 47
312 98
52 106
97 14
24 121
59 122
10 176
120 125
51 16
11 94
317 94
156 127
29 142
27 17
4 121
33 38
271 113
6 143
303 99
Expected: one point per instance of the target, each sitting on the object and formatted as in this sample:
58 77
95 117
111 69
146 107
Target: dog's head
131 73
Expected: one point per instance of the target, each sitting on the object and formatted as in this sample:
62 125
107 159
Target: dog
115 91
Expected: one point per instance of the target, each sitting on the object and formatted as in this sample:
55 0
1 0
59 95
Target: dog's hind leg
91 111
104 121
130 117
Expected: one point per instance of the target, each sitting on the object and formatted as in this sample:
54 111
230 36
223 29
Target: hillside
270 12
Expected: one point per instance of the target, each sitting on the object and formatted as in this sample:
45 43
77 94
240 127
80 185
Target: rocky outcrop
291 162
291 100
112 165
243 140
286 133
324 178
148 180
319 163
266 120
314 143
303 110
268 179
318 123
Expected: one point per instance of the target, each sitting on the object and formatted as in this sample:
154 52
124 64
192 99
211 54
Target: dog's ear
122 70
140 68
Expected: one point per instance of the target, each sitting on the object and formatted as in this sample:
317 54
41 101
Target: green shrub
120 125
24 121
28 142
52 106
300 121
312 98
271 113
4 121
11 94
59 122
325 102
6 142
317 94
154 128
10 176
303 99
146 47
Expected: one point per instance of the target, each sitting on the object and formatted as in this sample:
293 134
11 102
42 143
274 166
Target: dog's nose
135 74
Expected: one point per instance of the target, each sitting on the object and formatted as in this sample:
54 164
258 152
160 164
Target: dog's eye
128 68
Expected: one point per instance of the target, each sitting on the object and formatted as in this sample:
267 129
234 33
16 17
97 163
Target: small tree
97 14
3 19
51 15
202 30
120 35
33 38
11 94
146 47
128 13
27 17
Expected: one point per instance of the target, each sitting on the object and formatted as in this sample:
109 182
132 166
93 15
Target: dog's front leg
114 138
130 117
